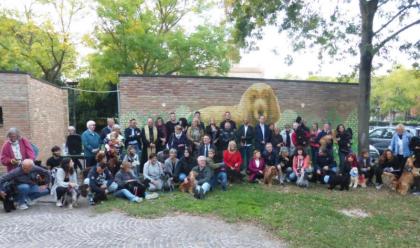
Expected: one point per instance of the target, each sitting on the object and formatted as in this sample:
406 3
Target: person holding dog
387 162
23 177
65 183
100 182
184 166
204 175
125 178
219 171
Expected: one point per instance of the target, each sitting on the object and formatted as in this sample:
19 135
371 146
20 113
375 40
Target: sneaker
30 202
91 202
378 186
59 204
70 206
22 207
137 199
151 196
416 193
201 194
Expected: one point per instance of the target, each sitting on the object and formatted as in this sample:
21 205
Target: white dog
354 177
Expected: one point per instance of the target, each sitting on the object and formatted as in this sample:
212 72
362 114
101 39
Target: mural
259 99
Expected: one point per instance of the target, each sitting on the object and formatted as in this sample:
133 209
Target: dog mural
258 99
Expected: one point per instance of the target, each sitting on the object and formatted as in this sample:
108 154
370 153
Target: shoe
416 193
30 202
151 196
378 186
201 194
196 193
70 206
137 199
91 202
59 204
22 207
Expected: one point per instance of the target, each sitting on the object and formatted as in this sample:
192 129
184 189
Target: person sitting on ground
153 171
100 182
28 189
15 149
170 163
184 166
66 183
256 167
233 161
286 164
178 140
227 134
301 162
365 167
219 171
326 165
133 158
271 158
387 162
123 177
204 175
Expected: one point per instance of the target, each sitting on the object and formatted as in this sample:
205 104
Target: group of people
138 162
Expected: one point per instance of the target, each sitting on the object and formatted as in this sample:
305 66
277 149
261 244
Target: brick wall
37 108
315 101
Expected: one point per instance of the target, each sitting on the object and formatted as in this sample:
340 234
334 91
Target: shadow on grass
303 217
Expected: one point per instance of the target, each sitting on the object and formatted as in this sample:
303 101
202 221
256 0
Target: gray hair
13 130
90 123
201 158
71 128
284 150
116 126
173 150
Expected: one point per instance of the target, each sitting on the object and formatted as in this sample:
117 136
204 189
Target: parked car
380 137
374 155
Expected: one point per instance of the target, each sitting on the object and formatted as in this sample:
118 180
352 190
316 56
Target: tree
146 37
33 44
378 24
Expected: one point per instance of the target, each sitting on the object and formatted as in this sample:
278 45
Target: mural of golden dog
258 99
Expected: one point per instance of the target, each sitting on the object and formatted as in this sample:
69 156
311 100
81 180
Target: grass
302 217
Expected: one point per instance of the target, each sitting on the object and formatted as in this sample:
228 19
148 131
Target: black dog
138 188
342 180
11 194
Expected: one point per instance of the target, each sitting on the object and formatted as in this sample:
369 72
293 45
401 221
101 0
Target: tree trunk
367 11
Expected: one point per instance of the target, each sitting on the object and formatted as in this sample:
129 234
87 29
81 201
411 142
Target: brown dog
190 184
406 180
259 99
269 173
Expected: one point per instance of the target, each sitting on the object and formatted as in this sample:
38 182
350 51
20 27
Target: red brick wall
37 108
316 101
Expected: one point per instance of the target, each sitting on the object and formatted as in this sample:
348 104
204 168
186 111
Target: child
365 168
256 167
133 158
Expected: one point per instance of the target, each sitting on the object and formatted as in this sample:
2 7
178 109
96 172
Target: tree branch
392 36
395 17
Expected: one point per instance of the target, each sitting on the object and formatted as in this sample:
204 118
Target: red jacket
7 153
306 161
230 159
252 167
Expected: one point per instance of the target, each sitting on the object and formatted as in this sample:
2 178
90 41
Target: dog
407 177
340 179
302 180
190 184
269 173
70 199
167 183
138 188
11 195
259 99
327 140
354 177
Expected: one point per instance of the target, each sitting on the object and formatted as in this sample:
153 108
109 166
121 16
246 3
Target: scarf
150 150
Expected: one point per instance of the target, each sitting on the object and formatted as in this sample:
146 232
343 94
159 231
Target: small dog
342 180
168 183
354 177
70 199
190 184
9 200
269 173
302 180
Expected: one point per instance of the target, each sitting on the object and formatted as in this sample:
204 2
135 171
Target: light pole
72 85
378 109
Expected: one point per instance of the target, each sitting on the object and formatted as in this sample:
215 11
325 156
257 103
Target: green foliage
352 122
302 217
287 117
399 91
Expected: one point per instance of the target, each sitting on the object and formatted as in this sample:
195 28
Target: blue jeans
125 193
182 176
293 176
30 192
205 186
221 178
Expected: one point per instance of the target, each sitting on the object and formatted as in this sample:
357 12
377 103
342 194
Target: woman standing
195 135
213 131
343 138
15 150
162 134
400 145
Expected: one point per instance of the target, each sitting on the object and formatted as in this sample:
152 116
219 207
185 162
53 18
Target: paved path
47 226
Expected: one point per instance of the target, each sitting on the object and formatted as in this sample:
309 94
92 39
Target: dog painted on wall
258 99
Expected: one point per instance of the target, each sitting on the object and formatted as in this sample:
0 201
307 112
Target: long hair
300 148
65 165
383 157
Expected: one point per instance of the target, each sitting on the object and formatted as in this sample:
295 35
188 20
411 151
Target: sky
272 63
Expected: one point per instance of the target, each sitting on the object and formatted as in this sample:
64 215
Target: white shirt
262 131
16 150
245 129
257 163
400 146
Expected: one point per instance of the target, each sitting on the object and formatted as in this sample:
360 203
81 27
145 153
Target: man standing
15 150
74 146
171 124
132 136
149 136
262 134
108 129
287 138
245 137
204 175
24 177
91 142
228 119
205 147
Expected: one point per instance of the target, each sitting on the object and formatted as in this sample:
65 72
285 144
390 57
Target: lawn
302 217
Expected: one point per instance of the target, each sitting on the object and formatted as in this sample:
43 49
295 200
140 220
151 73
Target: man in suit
132 136
204 148
262 134
245 138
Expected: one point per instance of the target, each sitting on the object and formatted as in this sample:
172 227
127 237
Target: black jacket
201 149
129 137
247 138
74 144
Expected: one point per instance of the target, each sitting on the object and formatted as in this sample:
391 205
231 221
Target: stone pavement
45 225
